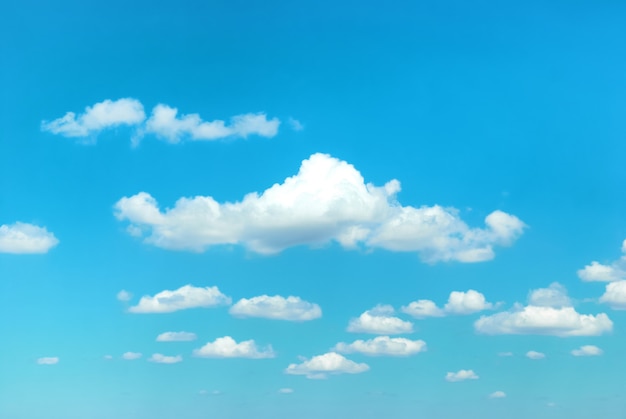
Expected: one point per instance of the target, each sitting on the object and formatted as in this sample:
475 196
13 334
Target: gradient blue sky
474 108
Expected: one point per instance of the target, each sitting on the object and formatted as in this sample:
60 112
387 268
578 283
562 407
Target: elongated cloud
48 360
164 359
459 303
227 347
461 375
131 356
326 201
381 346
379 321
321 366
277 308
24 238
176 337
587 350
103 115
616 271
185 297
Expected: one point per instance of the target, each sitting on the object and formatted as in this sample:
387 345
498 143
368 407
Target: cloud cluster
24 238
321 366
164 122
176 337
383 345
379 321
458 303
276 307
227 347
326 201
461 375
183 298
549 313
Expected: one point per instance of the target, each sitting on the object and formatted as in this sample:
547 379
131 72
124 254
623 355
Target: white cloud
183 298
549 313
458 303
505 354
596 271
383 345
295 124
212 393
165 123
379 321
108 357
129 356
587 350
227 347
276 307
615 295
22 238
176 337
553 296
163 359
326 201
535 355
48 360
103 115
497 395
320 366
461 375
285 391
124 296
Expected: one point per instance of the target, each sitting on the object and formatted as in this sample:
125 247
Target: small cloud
285 391
108 357
276 308
209 393
162 359
461 375
383 345
497 395
130 356
379 321
185 297
176 337
587 350
505 353
227 347
124 296
295 124
320 366
49 360
535 355
23 238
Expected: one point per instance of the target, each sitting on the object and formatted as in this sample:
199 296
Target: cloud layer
276 307
326 201
24 238
383 345
321 366
183 298
227 347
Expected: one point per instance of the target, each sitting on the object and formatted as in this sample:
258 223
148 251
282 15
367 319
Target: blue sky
411 209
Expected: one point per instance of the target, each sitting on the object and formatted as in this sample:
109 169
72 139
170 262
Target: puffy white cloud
461 375
22 238
458 303
383 345
587 350
497 395
124 296
615 295
102 115
327 200
163 359
321 366
535 355
129 356
285 391
276 307
48 360
553 296
176 337
227 347
165 123
596 271
183 298
379 321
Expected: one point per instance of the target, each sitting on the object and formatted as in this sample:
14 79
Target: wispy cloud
49 360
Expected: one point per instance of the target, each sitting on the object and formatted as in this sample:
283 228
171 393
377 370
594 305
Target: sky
230 209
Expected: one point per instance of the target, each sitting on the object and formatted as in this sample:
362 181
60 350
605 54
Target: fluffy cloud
461 375
165 123
183 298
615 295
321 366
129 356
162 359
327 200
124 296
497 395
25 238
548 313
48 360
379 321
596 271
458 303
587 350
176 337
535 355
383 345
227 347
276 307
103 115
